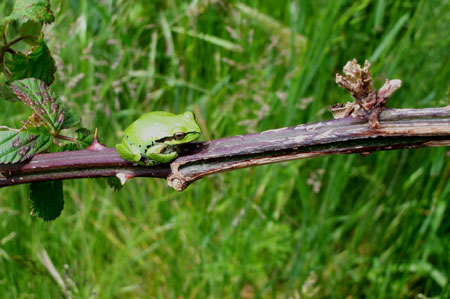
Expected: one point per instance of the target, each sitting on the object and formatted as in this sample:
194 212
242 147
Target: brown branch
363 126
398 129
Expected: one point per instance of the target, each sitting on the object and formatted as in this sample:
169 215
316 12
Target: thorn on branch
124 177
95 145
368 102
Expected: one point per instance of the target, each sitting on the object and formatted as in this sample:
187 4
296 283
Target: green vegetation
335 226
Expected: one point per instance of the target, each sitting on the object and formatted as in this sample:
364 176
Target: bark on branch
397 129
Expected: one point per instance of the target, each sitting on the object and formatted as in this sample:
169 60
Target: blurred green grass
327 227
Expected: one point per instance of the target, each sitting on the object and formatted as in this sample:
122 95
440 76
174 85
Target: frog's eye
178 135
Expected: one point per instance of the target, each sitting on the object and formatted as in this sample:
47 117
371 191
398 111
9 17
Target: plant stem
8 128
5 40
16 40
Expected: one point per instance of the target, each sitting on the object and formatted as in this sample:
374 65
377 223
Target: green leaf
42 100
18 146
84 139
114 183
6 93
47 199
38 64
32 30
70 120
35 10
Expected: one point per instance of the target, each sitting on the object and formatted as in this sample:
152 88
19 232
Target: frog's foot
126 152
161 153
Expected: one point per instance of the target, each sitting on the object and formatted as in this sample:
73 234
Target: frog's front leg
161 153
128 152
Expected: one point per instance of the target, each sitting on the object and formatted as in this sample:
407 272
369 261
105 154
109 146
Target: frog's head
185 129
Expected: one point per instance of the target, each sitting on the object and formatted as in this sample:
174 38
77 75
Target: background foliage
326 227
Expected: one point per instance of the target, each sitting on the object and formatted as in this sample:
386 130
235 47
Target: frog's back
149 127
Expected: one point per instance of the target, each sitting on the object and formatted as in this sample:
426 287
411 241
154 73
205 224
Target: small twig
67 138
16 40
7 48
3 51
5 40
9 129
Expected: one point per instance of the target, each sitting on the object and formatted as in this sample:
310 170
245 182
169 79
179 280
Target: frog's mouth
168 149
